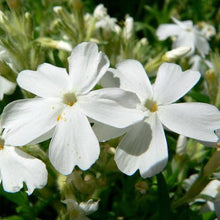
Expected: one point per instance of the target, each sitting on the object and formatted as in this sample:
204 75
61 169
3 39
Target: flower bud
175 54
100 11
128 30
60 45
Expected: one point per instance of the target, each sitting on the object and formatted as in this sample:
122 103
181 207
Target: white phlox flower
62 105
79 211
6 87
186 34
18 167
144 146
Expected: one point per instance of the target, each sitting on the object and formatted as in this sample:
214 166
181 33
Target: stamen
154 108
59 117
151 105
1 147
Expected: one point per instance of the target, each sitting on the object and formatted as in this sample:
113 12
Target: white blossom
6 87
17 167
63 103
186 34
144 146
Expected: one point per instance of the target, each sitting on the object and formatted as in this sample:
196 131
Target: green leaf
163 198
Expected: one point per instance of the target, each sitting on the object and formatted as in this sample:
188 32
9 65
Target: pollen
1 147
154 108
151 105
59 117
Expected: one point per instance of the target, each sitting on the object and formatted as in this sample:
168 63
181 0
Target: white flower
60 111
6 87
79 211
186 36
144 147
17 167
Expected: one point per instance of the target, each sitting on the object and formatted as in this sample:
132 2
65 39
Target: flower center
151 105
2 143
69 99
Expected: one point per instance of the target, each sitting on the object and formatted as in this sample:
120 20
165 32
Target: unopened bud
2 17
100 11
128 30
57 9
60 45
175 54
141 186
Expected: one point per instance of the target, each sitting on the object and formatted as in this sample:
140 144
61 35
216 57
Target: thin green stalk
201 182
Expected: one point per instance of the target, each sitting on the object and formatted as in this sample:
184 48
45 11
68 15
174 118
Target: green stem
201 182
163 194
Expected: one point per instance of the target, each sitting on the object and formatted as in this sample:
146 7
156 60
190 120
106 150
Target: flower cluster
91 104
65 105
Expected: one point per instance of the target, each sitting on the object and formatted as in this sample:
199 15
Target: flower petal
105 132
188 24
132 147
6 87
17 167
73 143
202 45
171 83
26 120
86 66
110 79
89 206
133 78
144 148
111 106
155 159
185 39
47 81
167 30
195 120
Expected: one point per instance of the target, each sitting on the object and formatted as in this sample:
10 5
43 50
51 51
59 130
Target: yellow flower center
151 105
2 143
69 99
